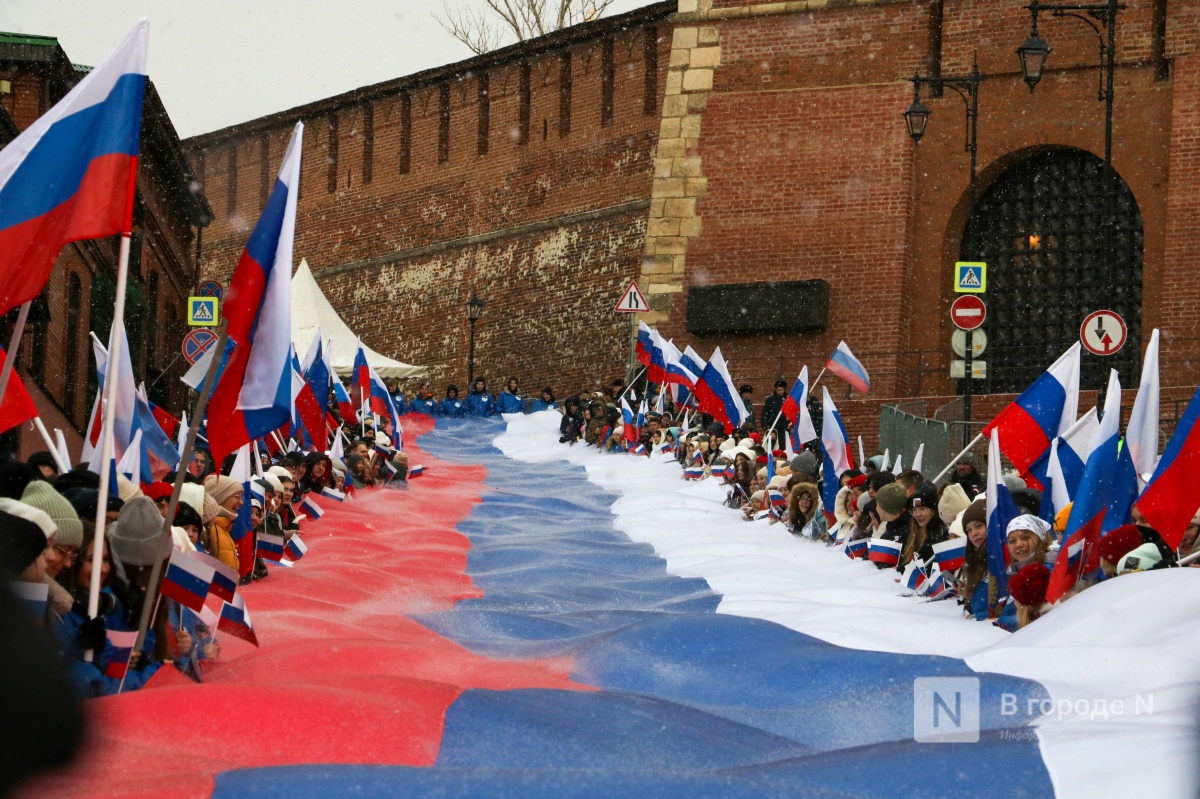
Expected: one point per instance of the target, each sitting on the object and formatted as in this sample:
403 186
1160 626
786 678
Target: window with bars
1052 260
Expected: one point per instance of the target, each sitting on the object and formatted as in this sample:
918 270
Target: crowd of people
47 547
902 522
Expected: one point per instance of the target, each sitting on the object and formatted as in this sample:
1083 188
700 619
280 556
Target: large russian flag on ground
71 174
1169 501
843 364
1046 409
1103 502
254 396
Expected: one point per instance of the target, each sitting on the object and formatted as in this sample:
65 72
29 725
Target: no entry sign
968 312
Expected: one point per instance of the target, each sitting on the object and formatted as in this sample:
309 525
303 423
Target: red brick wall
549 294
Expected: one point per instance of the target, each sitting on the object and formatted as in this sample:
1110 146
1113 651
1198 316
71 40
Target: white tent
311 309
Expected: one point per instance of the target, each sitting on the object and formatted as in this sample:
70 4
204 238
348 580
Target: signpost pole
967 391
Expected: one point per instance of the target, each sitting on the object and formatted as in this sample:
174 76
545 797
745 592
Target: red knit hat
1028 586
856 481
756 438
157 491
1119 543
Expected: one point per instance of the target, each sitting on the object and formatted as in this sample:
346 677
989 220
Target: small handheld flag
882 550
915 578
693 472
295 548
235 620
415 471
33 597
858 548
950 555
122 644
270 547
224 580
329 492
309 508
187 580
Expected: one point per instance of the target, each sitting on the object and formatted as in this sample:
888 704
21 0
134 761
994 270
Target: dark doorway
1040 228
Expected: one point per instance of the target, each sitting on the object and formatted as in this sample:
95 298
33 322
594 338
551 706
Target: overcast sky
217 62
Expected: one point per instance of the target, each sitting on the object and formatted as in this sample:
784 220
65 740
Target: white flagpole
13 345
50 445
818 380
106 431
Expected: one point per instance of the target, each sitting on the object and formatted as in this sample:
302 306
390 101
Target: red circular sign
1103 332
968 312
196 343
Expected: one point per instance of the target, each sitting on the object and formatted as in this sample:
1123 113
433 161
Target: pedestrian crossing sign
202 311
970 277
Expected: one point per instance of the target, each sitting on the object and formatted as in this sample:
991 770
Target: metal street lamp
474 308
1102 18
916 118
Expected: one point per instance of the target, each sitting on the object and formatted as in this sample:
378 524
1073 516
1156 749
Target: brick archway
1040 227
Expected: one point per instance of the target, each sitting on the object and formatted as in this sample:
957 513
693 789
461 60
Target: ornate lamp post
916 118
474 308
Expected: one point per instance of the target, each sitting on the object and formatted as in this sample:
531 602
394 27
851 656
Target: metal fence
903 433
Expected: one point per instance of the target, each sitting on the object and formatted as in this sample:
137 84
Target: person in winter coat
570 429
508 400
747 393
926 528
399 401
546 401
227 493
452 406
891 503
803 502
975 585
772 407
479 401
423 401
966 475
742 485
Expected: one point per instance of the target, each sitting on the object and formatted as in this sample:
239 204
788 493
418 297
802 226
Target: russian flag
681 369
629 423
270 547
718 395
254 396
329 492
656 372
1169 501
342 397
1141 434
1061 468
317 371
1000 511
1103 502
915 579
1046 409
309 508
693 472
646 354
235 620
308 410
939 587
638 450
664 448
33 597
843 364
415 471
372 388
125 397
122 644
187 580
16 406
224 580
858 548
160 454
295 548
71 175
950 555
835 445
884 551
721 470
795 409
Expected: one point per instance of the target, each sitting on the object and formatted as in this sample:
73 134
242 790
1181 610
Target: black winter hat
76 478
14 477
84 501
185 514
780 384
42 458
21 541
924 497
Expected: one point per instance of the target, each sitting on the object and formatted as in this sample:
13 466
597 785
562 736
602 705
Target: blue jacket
423 405
89 679
481 404
401 403
540 404
452 407
507 402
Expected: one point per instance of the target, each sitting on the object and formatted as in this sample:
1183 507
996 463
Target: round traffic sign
958 343
968 312
211 288
196 343
1103 332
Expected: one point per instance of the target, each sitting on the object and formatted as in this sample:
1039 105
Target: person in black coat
772 407
966 475
570 429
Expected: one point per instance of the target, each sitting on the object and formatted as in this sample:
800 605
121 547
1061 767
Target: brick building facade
712 142
56 352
